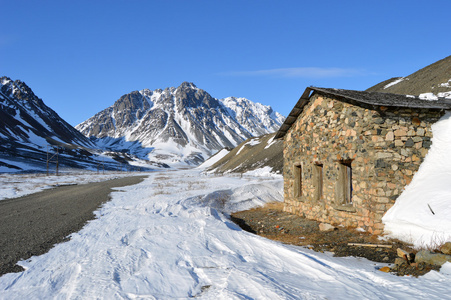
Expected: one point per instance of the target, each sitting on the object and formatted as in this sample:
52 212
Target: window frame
344 187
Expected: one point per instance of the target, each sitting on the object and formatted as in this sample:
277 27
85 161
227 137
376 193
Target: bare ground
273 223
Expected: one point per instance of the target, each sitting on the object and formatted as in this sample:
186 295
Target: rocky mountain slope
430 82
178 126
28 128
25 118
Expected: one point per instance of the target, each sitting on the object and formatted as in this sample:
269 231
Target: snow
421 213
159 240
428 96
395 82
263 172
18 185
252 142
446 95
271 142
432 96
214 159
445 84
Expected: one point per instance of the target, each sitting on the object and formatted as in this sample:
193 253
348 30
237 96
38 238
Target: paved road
32 224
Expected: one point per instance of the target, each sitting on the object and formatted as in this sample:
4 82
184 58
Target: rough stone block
432 258
446 248
326 227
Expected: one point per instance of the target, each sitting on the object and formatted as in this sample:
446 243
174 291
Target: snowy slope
252 154
159 240
179 125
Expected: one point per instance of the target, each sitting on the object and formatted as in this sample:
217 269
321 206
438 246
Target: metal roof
360 98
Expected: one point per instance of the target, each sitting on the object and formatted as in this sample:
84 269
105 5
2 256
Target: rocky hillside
25 118
252 154
178 126
429 83
29 130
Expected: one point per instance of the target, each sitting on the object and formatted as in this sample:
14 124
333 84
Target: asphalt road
33 224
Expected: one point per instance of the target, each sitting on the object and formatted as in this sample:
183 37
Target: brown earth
273 223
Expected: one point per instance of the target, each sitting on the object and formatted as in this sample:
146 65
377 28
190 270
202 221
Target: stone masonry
383 147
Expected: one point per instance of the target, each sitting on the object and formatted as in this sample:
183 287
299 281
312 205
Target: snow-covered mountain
30 130
25 118
178 125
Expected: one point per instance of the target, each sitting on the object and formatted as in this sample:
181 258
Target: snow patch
214 159
395 82
428 96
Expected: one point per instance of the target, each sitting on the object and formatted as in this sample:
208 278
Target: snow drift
421 214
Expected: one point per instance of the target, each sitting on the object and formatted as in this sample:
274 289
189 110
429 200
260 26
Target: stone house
349 154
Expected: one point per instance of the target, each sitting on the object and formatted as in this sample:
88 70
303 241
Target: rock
432 258
326 227
402 253
446 248
400 261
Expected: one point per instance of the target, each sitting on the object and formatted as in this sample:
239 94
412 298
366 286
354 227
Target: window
344 183
318 180
297 180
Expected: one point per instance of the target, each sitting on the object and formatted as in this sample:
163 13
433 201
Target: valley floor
167 237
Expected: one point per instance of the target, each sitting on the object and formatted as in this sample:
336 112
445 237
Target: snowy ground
17 185
162 239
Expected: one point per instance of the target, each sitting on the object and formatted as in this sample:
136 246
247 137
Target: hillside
252 154
435 79
29 128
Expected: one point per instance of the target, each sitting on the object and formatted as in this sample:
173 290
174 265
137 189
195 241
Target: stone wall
384 147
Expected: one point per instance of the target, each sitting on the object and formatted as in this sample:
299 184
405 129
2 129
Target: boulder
446 248
326 227
432 258
400 261
402 253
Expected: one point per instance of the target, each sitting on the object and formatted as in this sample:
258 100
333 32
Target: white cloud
305 72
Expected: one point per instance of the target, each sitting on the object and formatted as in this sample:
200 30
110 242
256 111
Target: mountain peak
181 125
187 84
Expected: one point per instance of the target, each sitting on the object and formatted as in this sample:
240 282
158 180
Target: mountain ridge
179 125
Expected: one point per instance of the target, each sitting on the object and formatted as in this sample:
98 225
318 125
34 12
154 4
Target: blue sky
81 56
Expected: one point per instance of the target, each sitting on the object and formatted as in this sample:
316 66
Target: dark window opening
318 180
298 181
